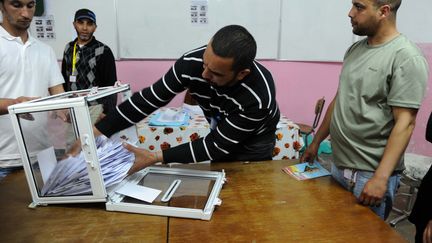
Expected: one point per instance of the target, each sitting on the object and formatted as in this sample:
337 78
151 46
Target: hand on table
310 153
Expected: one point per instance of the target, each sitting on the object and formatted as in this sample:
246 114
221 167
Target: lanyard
74 59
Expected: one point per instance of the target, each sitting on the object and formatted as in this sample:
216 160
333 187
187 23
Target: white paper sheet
47 162
142 193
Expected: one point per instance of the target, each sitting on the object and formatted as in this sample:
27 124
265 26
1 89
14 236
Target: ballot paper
47 162
142 193
70 176
170 117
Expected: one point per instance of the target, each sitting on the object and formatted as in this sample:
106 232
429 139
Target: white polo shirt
26 69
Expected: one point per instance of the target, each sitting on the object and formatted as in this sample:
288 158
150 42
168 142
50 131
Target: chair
411 195
416 167
305 129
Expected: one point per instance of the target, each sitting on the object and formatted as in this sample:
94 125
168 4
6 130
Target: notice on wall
199 12
42 27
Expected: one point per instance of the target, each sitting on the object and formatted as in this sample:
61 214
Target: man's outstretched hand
143 158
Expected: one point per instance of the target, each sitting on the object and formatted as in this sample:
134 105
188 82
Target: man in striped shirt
236 93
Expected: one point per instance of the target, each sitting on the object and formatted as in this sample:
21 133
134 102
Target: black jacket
95 67
422 210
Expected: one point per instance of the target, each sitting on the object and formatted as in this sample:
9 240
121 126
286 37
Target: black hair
234 41
394 4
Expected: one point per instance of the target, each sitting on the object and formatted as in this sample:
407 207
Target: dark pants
255 149
422 211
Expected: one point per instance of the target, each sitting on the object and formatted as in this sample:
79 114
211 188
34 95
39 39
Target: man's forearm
397 142
4 103
56 89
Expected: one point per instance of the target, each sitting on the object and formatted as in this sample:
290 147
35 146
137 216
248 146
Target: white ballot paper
47 162
142 193
70 176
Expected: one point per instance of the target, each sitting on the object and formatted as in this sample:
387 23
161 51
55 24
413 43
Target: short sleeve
55 77
408 83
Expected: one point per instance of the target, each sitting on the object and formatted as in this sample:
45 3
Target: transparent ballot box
47 128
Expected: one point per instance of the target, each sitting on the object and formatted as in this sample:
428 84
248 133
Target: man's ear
243 73
385 10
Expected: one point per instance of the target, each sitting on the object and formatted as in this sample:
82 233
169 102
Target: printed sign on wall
43 27
199 12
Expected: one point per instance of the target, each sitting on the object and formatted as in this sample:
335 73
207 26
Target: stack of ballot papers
70 176
170 117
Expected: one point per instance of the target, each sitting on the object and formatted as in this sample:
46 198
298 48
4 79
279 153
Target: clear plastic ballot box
99 172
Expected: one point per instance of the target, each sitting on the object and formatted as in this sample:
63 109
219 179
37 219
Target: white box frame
80 108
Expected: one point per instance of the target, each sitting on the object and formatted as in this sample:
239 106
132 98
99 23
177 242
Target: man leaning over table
235 92
372 117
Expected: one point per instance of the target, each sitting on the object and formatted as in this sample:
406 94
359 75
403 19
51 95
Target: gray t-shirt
373 79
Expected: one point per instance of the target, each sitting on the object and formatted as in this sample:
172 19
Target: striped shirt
247 110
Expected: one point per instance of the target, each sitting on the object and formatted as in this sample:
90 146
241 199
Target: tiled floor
405 228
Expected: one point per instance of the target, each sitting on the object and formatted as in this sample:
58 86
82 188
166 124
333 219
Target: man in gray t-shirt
372 116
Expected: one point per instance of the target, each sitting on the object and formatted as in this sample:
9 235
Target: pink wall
299 85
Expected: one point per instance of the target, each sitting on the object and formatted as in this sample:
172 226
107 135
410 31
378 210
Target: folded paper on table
170 117
142 193
306 171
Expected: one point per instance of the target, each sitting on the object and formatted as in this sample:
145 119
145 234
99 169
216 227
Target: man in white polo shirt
28 68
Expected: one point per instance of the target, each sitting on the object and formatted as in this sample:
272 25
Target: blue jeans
362 177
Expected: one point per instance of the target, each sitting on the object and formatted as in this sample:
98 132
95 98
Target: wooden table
260 203
69 222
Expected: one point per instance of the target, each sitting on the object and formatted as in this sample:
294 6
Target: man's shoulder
259 76
69 45
196 53
96 44
358 44
261 68
407 48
